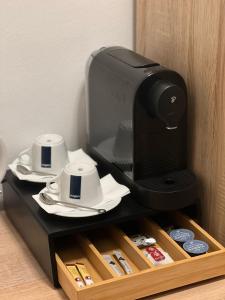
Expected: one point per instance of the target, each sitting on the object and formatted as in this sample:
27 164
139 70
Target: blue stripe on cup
75 187
46 157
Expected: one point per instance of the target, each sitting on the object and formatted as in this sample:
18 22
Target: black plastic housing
137 126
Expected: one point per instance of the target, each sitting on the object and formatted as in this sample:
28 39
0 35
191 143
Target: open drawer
146 278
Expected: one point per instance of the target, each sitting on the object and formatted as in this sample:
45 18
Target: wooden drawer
146 278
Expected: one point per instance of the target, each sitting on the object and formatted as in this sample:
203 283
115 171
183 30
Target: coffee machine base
173 191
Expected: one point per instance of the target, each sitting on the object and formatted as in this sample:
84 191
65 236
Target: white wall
44 46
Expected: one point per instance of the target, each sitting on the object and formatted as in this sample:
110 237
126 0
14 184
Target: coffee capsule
196 247
182 235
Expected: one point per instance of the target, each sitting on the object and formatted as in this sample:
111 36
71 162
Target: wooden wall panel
189 37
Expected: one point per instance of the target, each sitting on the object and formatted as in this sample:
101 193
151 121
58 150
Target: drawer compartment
115 240
179 220
146 278
149 227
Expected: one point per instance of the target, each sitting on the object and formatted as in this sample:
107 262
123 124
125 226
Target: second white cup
78 183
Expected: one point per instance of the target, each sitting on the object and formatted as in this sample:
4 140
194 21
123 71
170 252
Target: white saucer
106 204
77 155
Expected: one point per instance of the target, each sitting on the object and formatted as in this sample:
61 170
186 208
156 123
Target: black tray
42 231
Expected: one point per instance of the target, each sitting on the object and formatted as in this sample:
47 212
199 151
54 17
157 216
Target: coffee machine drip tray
168 192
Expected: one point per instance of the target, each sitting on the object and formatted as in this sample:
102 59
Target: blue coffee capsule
182 235
196 247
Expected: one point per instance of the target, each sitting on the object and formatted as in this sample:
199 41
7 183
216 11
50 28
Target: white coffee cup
48 154
78 183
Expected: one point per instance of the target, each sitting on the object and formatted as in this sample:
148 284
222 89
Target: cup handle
21 159
50 189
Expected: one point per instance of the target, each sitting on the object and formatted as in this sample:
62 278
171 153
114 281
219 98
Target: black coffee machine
137 127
